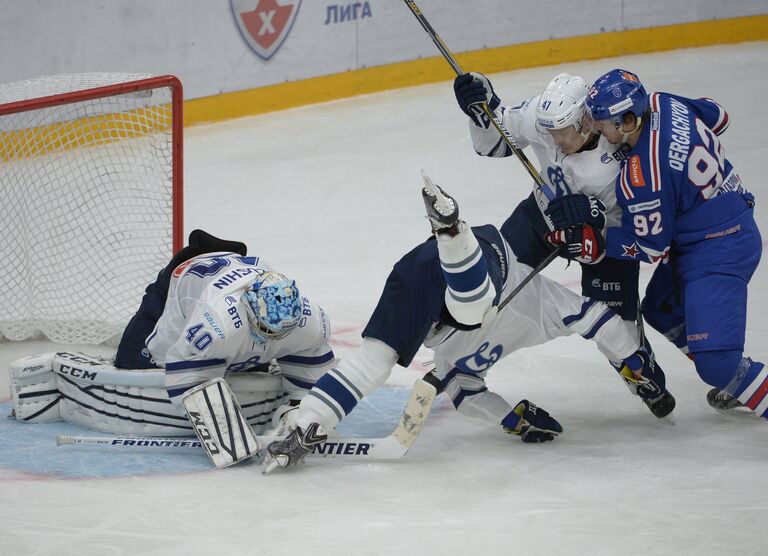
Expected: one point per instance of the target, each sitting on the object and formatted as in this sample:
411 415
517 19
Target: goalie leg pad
259 396
90 392
219 423
34 392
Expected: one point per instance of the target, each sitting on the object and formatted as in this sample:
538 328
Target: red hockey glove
583 244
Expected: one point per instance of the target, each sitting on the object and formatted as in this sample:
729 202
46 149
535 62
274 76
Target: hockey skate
293 448
661 405
645 379
724 403
442 209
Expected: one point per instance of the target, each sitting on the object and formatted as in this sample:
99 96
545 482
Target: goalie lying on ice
212 312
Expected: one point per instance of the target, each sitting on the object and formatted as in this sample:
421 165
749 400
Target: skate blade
739 413
268 465
428 184
669 419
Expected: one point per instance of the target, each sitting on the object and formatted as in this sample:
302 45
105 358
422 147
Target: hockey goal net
91 181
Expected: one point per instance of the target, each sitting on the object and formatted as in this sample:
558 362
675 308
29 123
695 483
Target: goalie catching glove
584 244
531 423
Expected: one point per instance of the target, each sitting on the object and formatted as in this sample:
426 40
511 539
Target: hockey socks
361 371
750 386
469 291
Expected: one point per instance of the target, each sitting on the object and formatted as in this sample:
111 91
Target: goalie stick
394 446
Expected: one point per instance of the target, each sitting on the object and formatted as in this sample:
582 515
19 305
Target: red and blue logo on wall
265 24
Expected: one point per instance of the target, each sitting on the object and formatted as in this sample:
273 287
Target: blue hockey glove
573 210
583 244
531 423
472 89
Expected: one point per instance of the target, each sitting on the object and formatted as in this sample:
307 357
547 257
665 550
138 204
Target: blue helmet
615 94
273 305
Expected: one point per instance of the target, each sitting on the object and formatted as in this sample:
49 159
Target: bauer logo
265 24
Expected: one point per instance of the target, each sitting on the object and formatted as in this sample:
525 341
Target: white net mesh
87 212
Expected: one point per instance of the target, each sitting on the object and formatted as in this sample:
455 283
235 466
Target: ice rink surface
329 195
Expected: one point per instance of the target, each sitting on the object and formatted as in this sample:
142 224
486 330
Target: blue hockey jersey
675 186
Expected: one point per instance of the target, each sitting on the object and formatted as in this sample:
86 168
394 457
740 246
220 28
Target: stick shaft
549 258
441 46
394 446
498 124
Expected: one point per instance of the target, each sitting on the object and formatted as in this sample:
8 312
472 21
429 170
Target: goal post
91 180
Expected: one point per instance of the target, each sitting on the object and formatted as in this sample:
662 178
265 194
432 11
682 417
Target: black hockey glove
573 210
583 243
293 448
472 89
531 423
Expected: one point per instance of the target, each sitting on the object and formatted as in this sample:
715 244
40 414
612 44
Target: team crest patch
265 24
631 251
636 171
480 360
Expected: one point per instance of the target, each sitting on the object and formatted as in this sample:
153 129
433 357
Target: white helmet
562 102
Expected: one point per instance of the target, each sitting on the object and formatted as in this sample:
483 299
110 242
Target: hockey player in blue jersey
684 205
444 294
573 159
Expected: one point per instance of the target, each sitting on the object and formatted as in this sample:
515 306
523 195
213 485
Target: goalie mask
273 306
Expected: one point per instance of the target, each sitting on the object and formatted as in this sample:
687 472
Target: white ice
329 194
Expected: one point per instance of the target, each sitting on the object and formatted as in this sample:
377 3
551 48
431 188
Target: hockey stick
496 121
548 259
505 135
393 446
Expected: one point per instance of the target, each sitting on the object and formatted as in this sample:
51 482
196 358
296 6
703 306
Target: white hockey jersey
204 333
592 171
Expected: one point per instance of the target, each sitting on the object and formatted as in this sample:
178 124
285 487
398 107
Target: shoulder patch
636 171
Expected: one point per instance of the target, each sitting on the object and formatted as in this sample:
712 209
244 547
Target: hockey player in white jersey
228 313
444 294
212 313
578 166
572 157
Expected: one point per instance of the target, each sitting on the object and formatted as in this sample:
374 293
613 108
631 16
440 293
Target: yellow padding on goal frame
91 131
506 58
